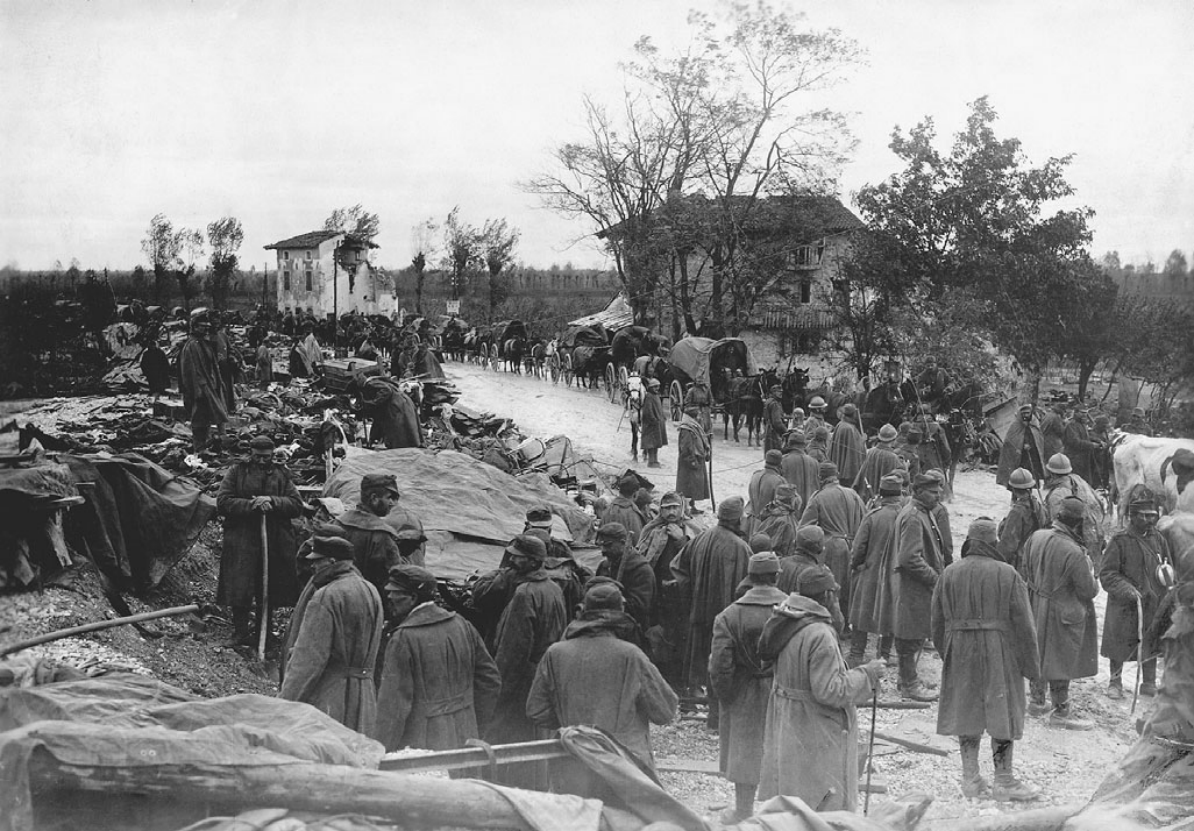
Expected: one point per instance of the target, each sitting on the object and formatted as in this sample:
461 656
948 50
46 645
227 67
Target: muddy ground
1066 765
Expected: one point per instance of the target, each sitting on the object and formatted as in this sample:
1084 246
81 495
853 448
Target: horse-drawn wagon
707 362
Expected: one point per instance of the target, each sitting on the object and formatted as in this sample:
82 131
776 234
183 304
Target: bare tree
355 221
190 243
497 241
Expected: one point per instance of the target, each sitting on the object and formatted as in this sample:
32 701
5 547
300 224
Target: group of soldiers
765 616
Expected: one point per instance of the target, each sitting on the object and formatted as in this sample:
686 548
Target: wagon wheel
495 362
554 366
623 379
569 373
675 396
611 383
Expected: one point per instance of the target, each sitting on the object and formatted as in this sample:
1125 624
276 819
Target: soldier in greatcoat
1026 516
335 634
254 491
438 684
838 511
692 471
630 569
870 569
919 560
662 539
983 629
654 424
1129 576
780 519
847 446
804 572
201 384
764 482
624 511
799 468
1023 447
1062 589
374 541
810 747
880 460
1079 446
594 677
775 424
707 572
534 619
742 682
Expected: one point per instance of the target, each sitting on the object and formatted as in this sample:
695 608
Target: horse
588 365
745 404
512 351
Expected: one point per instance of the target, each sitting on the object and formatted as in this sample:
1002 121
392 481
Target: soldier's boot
857 649
1037 705
1063 715
242 626
744 805
1115 689
1007 787
1148 686
910 685
974 786
885 644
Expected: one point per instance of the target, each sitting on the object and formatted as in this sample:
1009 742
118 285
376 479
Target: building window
286 281
309 282
806 291
307 254
286 255
808 256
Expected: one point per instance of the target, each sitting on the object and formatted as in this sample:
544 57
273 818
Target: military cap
652 383
1143 505
809 535
794 440
671 498
1072 508
849 410
890 485
628 484
773 458
528 546
821 433
776 388
785 491
539 517
603 597
262 443
371 482
336 548
983 529
760 542
827 470
731 508
408 576
928 479
612 531
763 562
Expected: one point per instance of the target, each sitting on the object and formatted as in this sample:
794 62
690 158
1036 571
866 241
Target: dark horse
589 363
745 404
512 351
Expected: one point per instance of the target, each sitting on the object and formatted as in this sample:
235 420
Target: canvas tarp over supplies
469 509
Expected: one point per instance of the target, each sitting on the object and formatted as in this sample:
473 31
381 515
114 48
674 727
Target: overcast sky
278 112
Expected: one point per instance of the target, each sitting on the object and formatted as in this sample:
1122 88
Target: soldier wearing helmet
1027 514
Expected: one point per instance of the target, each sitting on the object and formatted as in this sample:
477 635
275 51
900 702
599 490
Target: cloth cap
528 546
773 458
849 411
1102 419
642 497
731 508
628 484
887 433
1059 463
671 498
539 517
760 542
928 479
407 576
652 383
262 443
817 581
808 535
603 597
692 410
763 562
983 529
818 403
371 482
821 433
335 547
890 485
795 440
827 470
1026 408
1022 479
612 531
1143 505
776 388
799 411
785 492
1072 508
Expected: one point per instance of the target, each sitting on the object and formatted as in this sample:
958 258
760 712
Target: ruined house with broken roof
329 272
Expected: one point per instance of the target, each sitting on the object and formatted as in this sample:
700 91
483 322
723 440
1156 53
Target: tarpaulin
694 357
469 509
138 520
127 721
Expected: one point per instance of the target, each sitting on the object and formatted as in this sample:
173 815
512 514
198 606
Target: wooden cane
264 616
870 753
712 500
1139 651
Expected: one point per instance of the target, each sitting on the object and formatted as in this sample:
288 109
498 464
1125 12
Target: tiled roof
617 315
312 239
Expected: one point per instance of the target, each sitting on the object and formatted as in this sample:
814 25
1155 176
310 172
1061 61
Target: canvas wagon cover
469 509
692 356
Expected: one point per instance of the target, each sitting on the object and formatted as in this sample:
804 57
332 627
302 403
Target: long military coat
871 566
880 461
838 511
653 422
1129 567
200 382
1026 516
847 449
331 663
374 545
692 473
774 425
240 559
811 733
438 683
742 682
802 472
707 572
395 420
919 560
1062 589
779 522
762 489
983 630
1052 433
623 510
638 584
1080 449
1023 446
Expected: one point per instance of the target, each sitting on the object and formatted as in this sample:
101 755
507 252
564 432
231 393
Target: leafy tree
1091 324
190 241
161 247
497 241
225 236
355 221
423 247
973 221
462 250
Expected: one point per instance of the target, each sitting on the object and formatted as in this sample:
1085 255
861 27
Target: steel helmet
1022 479
1059 463
818 403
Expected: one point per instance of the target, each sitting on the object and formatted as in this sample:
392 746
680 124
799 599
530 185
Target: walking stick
1139 651
712 501
264 611
870 753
